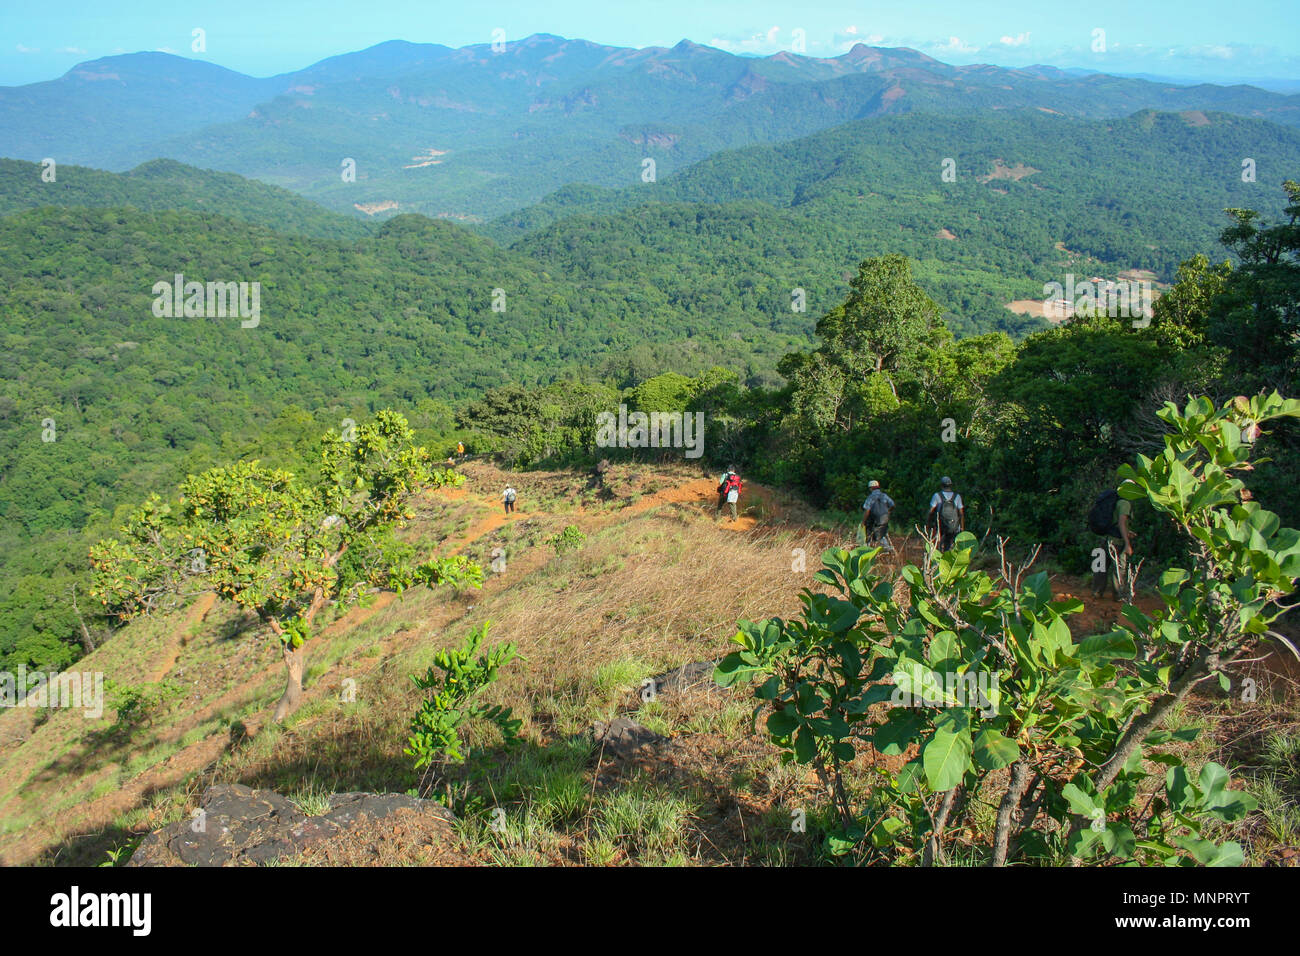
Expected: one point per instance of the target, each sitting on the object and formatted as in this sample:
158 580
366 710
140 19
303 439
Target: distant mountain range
470 133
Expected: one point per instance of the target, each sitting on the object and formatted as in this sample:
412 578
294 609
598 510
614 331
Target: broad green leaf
899 731
993 751
805 745
1081 803
946 758
781 723
1115 645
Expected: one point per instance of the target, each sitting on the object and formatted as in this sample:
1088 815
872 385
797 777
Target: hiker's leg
1122 591
1099 577
733 510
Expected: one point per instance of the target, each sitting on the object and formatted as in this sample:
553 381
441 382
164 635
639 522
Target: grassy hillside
658 583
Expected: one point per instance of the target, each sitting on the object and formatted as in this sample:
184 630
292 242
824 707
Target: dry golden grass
659 581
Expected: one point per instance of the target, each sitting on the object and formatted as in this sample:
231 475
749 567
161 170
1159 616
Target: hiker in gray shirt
875 513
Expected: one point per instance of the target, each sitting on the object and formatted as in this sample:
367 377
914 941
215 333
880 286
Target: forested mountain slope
1033 197
166 184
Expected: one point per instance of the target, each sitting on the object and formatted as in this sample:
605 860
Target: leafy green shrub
455 678
138 706
996 701
570 539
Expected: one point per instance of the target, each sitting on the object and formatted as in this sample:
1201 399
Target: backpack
510 495
949 515
879 511
1101 519
732 481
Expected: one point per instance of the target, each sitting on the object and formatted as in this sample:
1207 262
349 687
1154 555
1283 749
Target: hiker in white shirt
948 512
509 497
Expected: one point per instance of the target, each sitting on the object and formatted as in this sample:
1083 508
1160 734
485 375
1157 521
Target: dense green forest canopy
517 349
166 184
1033 197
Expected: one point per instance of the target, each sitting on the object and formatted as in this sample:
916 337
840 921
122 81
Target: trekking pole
988 530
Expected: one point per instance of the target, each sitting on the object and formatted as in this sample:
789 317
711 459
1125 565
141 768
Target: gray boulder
240 825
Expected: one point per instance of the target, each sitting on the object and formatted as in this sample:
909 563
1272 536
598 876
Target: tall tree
1259 311
887 323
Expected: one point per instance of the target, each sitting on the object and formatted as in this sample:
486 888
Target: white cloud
954 45
164 49
1019 39
846 39
27 49
1214 51
769 41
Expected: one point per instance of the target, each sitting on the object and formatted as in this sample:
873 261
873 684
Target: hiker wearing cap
875 514
729 486
951 514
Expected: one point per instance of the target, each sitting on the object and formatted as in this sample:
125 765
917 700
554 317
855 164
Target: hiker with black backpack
729 487
951 514
1109 518
875 515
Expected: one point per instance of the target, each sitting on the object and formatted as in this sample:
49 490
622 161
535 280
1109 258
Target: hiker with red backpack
1109 518
729 487
947 513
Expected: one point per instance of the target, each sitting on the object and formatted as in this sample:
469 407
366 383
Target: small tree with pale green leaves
282 546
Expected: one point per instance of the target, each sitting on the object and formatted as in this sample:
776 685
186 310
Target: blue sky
1209 39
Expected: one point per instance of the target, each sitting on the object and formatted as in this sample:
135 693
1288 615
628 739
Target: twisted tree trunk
294 659
1010 801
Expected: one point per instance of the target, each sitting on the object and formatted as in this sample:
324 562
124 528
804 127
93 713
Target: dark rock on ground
689 677
240 825
624 739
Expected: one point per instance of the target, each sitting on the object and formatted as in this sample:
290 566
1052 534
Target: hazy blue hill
391 58
1144 162
473 133
110 112
167 184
